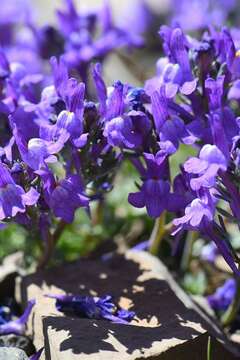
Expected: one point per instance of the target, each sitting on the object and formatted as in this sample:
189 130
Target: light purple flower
207 166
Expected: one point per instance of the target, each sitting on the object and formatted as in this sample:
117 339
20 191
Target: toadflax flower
93 307
68 191
155 190
223 296
17 326
13 198
207 166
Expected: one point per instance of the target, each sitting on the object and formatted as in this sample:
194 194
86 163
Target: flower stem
230 315
187 252
157 234
209 349
50 246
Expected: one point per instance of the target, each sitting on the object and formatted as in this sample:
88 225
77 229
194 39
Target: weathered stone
18 341
166 328
7 353
8 272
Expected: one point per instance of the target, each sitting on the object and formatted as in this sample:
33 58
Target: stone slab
167 326
7 353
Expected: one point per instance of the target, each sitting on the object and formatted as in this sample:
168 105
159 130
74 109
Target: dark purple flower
93 307
171 128
224 295
17 326
130 130
155 191
13 198
37 355
68 191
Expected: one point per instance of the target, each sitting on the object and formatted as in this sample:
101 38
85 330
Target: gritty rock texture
18 341
7 353
166 327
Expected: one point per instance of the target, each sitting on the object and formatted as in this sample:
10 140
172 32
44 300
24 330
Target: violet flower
209 252
13 198
93 307
207 167
37 355
17 326
130 130
199 14
155 191
200 211
176 74
68 191
223 296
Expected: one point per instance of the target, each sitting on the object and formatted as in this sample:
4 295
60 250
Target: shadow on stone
161 315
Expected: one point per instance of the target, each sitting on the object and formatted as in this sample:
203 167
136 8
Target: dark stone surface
166 327
7 353
21 342
8 272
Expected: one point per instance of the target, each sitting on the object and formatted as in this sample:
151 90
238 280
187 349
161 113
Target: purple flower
13 198
199 212
209 252
130 130
93 307
68 191
38 152
207 166
224 295
175 74
116 100
37 355
199 14
92 35
17 326
155 191
100 88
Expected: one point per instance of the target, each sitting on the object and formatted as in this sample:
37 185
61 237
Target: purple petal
188 87
137 199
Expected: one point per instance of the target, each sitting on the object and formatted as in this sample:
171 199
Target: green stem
187 252
209 349
157 234
230 315
50 246
98 216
